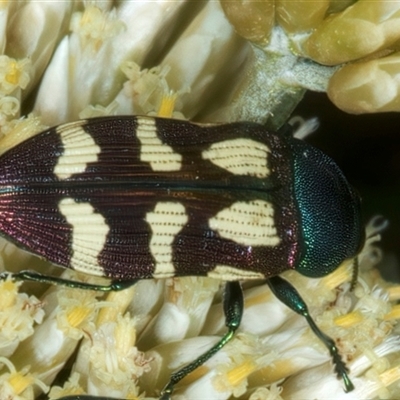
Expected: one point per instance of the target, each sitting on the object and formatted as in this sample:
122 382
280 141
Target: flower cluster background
208 61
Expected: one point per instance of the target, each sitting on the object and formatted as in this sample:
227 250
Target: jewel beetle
132 198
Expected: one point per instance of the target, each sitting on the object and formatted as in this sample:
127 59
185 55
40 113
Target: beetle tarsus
355 274
286 293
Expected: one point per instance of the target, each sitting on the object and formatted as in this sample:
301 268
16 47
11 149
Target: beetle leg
87 397
288 295
355 274
233 310
34 276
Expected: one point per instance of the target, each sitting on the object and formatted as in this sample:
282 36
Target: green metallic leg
33 276
288 295
233 309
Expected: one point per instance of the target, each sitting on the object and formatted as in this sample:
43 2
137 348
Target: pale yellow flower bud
367 87
251 19
360 30
295 16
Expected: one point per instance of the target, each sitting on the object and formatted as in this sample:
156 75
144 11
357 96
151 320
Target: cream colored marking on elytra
240 157
79 150
166 221
160 156
247 223
228 273
89 235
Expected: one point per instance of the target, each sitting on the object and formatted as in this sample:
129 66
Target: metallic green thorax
329 211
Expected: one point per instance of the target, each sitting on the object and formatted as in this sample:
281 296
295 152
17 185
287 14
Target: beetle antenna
354 276
376 226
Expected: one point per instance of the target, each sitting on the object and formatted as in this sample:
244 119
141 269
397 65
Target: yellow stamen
125 334
393 314
20 382
236 375
77 315
394 293
274 372
339 276
8 293
348 320
390 376
13 75
167 105
119 302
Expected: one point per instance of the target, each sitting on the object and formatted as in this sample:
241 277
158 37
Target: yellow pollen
124 335
167 105
394 313
20 382
336 278
279 369
236 375
394 293
8 294
119 302
348 320
77 315
390 376
13 75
